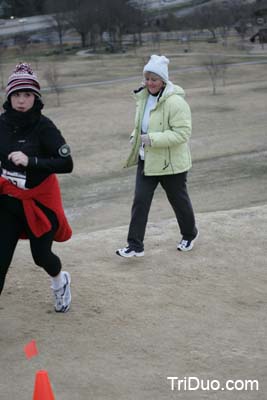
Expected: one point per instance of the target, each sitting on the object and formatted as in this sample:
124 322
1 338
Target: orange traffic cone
42 387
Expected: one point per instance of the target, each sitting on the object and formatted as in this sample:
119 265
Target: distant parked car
8 42
37 39
261 35
111 48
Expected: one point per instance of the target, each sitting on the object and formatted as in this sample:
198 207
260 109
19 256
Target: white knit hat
158 65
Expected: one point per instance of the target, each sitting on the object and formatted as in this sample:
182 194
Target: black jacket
37 137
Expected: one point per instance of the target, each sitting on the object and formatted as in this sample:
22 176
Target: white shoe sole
133 253
191 245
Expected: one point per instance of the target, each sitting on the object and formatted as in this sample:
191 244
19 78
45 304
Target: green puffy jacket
169 131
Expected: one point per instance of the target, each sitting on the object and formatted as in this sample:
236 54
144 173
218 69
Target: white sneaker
63 295
186 245
129 252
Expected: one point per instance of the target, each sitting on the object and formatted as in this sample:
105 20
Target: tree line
91 18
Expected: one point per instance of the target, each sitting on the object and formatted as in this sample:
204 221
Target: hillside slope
134 322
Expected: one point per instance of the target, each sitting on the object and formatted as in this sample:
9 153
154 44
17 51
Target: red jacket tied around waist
48 194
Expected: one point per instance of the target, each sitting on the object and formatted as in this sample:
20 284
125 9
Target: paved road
29 24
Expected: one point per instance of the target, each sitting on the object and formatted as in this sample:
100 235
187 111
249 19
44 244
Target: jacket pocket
156 160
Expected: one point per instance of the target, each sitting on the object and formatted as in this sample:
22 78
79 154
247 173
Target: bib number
16 178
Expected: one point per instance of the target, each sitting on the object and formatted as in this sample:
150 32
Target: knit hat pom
159 66
23 68
23 78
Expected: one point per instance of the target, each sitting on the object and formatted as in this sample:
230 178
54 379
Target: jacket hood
173 89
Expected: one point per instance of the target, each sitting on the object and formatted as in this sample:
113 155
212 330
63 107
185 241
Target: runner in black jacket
32 150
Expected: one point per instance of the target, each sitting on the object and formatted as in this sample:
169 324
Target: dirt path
135 322
214 185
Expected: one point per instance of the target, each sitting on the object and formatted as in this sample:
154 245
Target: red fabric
48 194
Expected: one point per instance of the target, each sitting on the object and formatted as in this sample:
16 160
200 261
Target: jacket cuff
33 161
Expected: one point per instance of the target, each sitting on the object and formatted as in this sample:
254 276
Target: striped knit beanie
23 79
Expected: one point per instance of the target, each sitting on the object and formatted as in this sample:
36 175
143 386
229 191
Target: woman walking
160 150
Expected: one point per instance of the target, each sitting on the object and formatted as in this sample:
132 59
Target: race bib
17 178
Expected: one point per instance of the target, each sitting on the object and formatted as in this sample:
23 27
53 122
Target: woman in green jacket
160 149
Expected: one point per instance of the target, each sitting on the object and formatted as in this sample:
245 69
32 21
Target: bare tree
156 41
2 50
216 66
136 25
242 13
219 18
22 41
116 17
59 9
25 8
91 19
169 22
81 17
225 21
206 17
51 75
